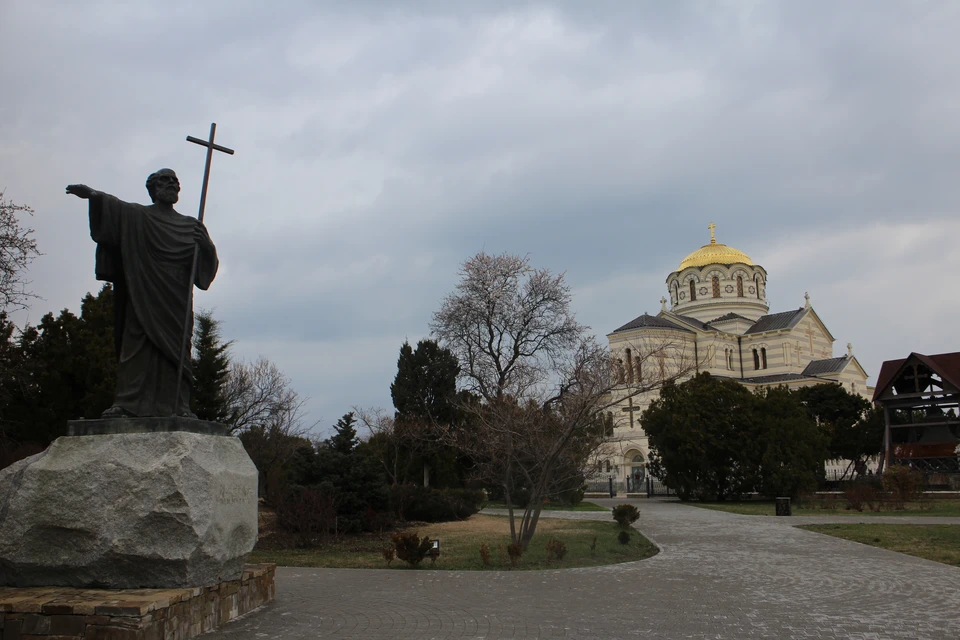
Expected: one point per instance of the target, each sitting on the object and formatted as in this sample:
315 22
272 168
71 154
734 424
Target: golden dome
714 253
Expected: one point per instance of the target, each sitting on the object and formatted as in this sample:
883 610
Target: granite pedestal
136 503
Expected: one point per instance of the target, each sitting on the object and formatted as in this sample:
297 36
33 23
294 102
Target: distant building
718 321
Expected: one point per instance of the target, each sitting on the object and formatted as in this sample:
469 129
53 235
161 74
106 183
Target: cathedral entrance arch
636 464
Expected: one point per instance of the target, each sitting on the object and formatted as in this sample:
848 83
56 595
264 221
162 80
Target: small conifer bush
514 551
625 514
411 548
485 555
556 549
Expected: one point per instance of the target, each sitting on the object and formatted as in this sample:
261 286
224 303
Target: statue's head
163 186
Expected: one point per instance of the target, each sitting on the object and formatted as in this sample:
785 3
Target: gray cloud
379 145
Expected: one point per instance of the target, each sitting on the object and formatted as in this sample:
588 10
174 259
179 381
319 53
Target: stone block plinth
143 614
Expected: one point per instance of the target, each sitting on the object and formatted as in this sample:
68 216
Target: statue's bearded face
166 188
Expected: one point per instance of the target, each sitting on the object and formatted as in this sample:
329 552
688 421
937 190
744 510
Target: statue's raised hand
81 191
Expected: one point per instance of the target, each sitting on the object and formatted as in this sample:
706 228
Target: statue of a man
146 251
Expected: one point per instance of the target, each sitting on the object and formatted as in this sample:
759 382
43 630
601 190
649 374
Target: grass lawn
767 508
460 547
937 542
583 506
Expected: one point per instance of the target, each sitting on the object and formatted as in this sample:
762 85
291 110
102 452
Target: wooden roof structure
920 395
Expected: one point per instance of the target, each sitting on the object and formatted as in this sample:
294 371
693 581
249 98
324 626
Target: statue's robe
147 254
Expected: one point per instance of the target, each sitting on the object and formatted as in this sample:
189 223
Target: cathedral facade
716 319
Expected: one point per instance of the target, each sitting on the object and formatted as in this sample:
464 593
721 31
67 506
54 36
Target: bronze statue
147 252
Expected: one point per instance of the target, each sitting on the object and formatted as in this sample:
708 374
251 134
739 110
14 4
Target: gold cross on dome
713 239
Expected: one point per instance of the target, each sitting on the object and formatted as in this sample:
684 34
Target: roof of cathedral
829 365
646 320
729 316
714 253
703 326
775 321
772 379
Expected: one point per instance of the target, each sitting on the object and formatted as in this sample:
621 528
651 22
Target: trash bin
783 507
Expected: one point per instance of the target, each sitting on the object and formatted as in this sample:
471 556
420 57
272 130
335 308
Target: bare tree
17 251
267 414
546 386
258 393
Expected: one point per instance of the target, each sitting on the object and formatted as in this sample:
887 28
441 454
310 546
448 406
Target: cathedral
718 320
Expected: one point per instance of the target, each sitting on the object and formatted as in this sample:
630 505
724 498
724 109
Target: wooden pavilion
920 396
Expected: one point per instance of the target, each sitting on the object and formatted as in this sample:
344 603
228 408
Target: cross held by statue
211 147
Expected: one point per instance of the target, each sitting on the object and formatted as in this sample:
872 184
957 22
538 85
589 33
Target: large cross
206 169
196 248
629 409
809 334
712 226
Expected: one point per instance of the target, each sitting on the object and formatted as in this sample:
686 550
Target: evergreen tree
344 440
425 397
211 369
703 437
425 386
66 369
792 447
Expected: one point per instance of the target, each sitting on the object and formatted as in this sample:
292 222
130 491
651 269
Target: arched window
676 292
756 359
739 286
763 357
757 280
620 370
730 359
716 287
693 291
629 366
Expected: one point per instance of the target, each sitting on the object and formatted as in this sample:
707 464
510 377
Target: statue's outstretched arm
81 191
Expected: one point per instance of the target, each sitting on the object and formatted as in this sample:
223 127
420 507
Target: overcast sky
380 144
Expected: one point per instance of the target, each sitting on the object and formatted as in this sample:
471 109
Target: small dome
714 253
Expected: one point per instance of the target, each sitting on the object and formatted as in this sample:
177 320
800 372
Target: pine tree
344 440
211 367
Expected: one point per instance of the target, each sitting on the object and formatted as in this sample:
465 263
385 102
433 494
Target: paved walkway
718 575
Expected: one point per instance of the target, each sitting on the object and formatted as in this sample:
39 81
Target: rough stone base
128 510
63 613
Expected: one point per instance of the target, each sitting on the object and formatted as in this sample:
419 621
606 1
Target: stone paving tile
718 575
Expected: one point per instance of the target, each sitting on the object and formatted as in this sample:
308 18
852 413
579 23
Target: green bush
625 514
411 548
623 537
425 504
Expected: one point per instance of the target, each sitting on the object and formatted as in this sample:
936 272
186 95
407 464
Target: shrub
860 495
625 514
520 497
623 537
514 551
309 512
904 484
425 504
388 553
556 549
485 555
411 548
